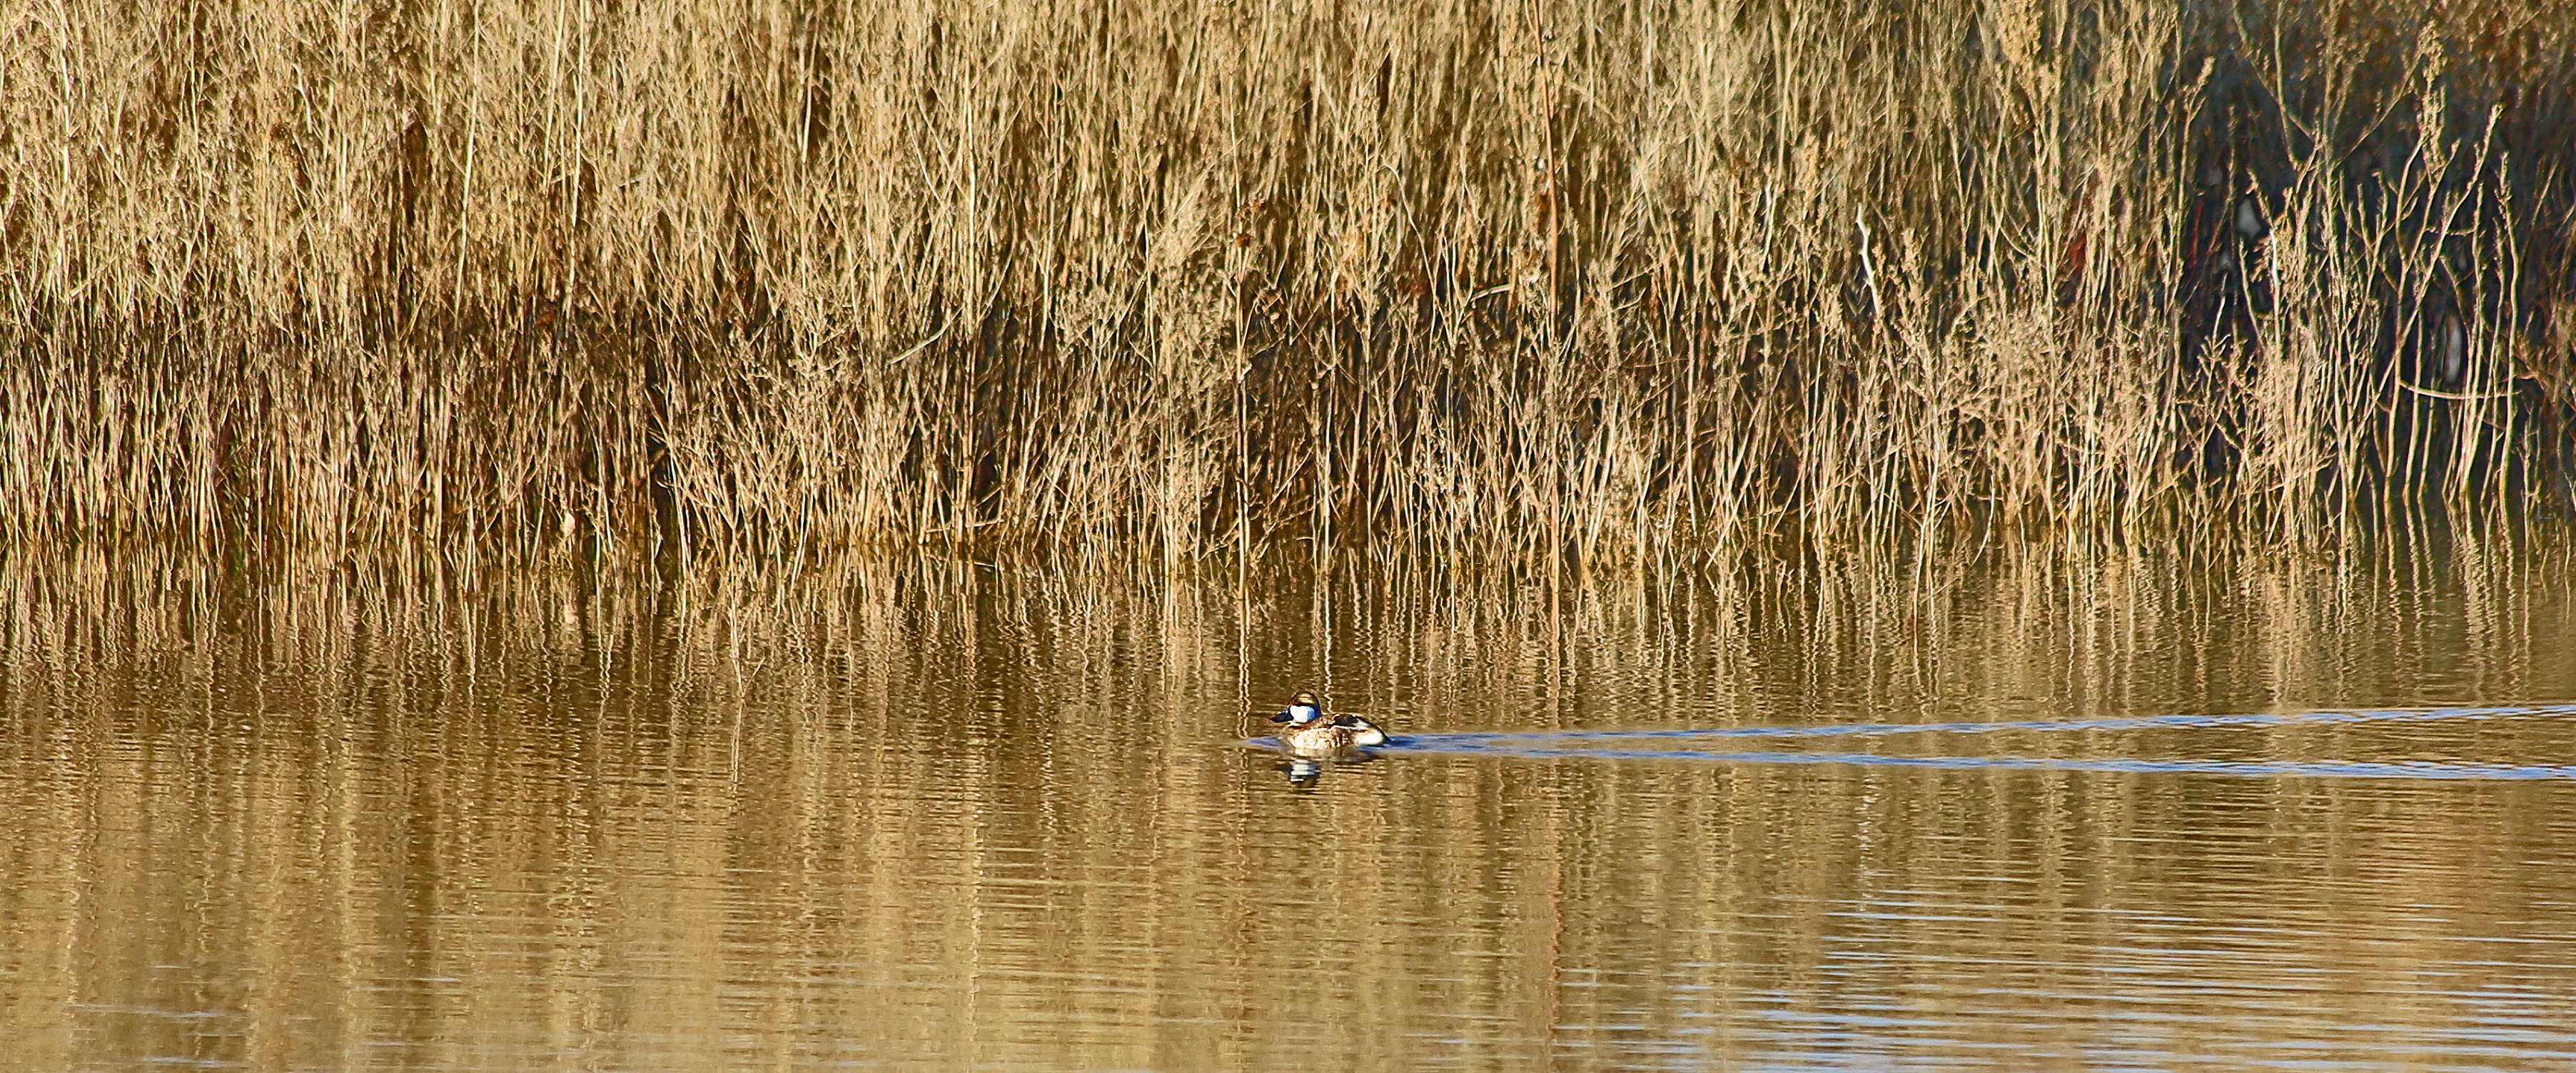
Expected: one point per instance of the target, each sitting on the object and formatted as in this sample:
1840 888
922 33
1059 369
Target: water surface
2063 811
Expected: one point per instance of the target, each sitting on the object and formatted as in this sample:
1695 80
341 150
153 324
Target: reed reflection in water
947 815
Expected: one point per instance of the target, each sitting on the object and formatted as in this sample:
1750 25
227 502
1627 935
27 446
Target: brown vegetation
1193 275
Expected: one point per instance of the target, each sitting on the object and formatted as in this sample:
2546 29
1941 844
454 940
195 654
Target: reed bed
1538 278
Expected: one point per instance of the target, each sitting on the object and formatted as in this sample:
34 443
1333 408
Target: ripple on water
869 818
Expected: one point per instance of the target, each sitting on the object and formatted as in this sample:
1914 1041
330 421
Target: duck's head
1300 711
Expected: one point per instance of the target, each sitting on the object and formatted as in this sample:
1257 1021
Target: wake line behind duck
1509 740
1312 734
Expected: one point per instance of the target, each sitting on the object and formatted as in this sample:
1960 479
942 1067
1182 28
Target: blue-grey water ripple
1550 744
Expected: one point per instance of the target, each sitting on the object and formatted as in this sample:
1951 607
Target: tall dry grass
1541 277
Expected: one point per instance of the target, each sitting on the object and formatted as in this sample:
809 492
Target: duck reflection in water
1305 771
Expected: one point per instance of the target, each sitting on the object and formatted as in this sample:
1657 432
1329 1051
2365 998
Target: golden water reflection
948 815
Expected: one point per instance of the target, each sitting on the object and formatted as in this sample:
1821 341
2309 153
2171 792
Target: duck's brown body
1311 732
1334 734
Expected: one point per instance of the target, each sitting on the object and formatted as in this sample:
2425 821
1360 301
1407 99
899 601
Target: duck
1310 730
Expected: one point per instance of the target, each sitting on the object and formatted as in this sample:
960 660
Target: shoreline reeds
1537 280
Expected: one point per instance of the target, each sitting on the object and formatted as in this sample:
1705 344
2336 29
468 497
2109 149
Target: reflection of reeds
1493 279
499 817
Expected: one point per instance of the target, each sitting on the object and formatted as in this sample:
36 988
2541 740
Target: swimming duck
1309 730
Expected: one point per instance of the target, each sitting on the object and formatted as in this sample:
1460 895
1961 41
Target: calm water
2185 812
